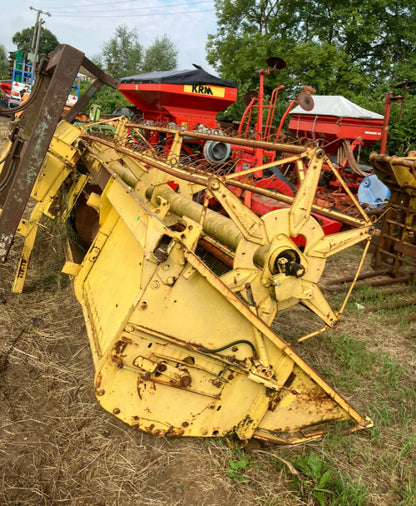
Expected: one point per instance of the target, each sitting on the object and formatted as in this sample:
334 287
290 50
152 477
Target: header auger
181 347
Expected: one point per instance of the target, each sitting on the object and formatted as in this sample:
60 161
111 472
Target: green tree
377 35
4 63
161 55
108 99
122 55
348 46
23 41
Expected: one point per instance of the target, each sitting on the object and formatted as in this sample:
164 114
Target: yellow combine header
179 348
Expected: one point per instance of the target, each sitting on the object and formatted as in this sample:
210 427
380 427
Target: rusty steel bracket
33 133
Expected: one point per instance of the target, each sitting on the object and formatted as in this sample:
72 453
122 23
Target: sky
87 24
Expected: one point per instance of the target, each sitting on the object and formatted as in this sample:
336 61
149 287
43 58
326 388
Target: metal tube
393 160
216 225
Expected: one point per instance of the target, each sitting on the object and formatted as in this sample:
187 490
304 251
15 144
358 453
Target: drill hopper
194 97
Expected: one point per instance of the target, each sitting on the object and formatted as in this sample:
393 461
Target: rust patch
161 367
186 381
171 432
117 353
98 380
143 385
126 339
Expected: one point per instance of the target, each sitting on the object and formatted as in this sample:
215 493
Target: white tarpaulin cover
336 105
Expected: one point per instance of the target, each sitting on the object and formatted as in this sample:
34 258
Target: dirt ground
58 447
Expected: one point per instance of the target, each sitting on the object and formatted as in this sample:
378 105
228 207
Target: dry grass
58 447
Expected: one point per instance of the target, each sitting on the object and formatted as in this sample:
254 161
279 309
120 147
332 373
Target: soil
58 447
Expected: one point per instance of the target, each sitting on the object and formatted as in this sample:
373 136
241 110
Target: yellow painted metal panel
110 288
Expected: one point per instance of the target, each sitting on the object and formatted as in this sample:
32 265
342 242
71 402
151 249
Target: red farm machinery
191 100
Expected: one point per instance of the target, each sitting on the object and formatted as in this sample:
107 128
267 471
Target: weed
317 476
317 480
348 491
236 470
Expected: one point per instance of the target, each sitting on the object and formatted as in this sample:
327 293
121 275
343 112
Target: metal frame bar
33 134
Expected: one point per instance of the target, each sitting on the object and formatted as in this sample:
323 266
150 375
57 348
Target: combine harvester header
180 347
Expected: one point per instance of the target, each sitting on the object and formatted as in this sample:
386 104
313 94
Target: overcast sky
87 25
